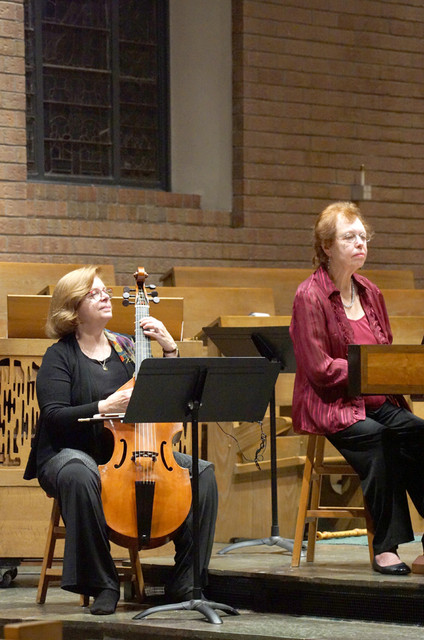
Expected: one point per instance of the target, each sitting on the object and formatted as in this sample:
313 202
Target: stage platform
337 596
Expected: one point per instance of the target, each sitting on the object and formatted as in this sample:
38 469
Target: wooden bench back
407 329
284 282
202 305
194 307
401 302
32 277
27 315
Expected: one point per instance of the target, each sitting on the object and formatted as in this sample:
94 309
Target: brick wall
319 90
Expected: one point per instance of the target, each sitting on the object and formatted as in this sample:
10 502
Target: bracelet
172 351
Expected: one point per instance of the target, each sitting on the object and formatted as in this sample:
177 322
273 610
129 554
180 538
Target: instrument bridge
145 454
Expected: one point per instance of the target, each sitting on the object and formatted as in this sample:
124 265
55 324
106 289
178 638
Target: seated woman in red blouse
378 435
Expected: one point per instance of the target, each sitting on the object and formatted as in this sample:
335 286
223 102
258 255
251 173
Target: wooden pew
283 282
203 304
27 315
401 302
407 329
31 277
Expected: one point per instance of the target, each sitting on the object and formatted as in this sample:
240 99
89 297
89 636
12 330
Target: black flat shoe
399 569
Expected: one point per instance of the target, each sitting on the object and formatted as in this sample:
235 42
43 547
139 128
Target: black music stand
273 343
210 390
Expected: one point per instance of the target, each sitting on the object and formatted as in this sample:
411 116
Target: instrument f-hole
162 455
124 454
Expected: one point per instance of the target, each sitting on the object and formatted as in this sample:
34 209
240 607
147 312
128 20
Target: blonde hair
325 227
68 294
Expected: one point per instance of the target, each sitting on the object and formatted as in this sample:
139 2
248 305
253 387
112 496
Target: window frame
163 170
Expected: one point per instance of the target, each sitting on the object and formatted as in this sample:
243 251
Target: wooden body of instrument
146 495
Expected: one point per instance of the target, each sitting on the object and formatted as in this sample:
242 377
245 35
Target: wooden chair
132 575
310 508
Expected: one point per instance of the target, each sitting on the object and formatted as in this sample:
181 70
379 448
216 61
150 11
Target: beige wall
201 107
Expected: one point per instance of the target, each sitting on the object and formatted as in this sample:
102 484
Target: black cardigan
66 392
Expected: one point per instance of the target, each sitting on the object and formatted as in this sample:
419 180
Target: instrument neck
143 347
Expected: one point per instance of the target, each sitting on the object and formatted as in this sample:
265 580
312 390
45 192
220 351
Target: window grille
97 91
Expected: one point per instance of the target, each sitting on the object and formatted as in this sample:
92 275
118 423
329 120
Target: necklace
352 298
103 364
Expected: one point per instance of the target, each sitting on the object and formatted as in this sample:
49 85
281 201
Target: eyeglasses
350 238
97 294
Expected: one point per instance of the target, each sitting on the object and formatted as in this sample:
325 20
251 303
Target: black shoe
105 603
399 569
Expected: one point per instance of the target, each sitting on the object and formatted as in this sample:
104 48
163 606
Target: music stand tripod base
272 541
207 607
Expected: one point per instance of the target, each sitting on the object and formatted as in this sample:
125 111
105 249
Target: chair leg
84 600
55 531
313 523
43 582
303 502
137 574
316 485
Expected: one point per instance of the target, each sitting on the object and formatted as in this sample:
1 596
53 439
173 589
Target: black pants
88 566
387 452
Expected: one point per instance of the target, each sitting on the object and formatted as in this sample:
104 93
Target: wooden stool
310 509
132 576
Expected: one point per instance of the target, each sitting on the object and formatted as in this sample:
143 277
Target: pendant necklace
103 364
353 297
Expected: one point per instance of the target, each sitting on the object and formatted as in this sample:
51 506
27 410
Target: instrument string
144 431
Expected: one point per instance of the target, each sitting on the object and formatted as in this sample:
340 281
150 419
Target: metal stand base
203 606
272 541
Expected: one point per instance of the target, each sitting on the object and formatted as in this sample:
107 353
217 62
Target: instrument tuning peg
126 303
154 296
151 286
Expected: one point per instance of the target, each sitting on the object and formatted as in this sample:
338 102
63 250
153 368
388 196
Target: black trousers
387 452
88 567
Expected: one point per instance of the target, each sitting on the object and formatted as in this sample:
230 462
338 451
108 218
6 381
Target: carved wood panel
18 408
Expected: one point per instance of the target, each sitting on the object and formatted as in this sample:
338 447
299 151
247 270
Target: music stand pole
267 350
206 379
274 539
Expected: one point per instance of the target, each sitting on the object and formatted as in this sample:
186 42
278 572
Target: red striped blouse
321 333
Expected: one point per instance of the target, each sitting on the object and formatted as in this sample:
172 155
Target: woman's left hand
156 330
